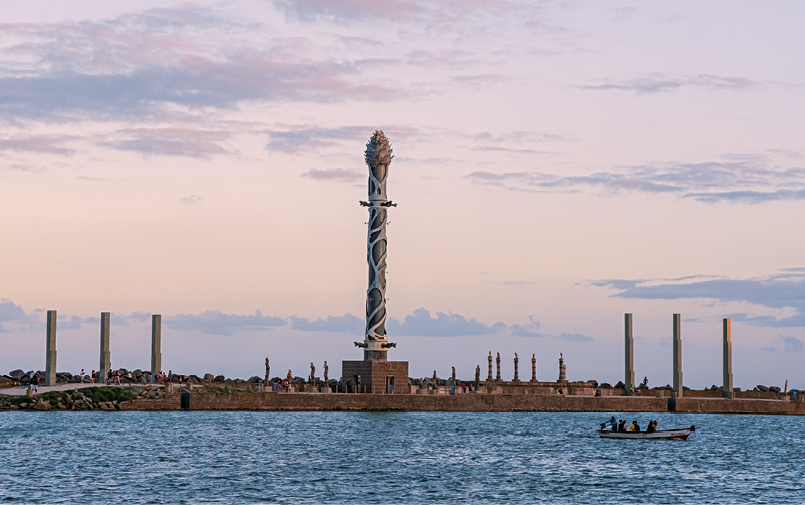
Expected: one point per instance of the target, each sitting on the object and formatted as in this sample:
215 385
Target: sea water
408 457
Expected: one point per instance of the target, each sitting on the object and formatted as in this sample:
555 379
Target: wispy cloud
346 323
189 142
387 10
157 62
709 182
334 174
215 322
191 200
663 83
785 289
50 144
575 337
421 323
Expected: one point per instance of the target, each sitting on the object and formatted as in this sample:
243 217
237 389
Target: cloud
334 174
49 144
160 63
528 330
781 290
191 200
748 196
170 142
10 312
214 322
304 139
346 323
708 182
575 337
791 344
387 10
660 83
420 323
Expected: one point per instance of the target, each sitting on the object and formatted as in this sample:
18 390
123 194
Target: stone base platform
200 400
379 377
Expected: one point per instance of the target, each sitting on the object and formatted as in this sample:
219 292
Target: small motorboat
677 434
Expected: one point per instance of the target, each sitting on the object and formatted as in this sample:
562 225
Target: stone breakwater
222 399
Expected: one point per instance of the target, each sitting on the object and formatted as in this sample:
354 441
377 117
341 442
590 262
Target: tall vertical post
562 369
378 158
497 361
677 372
50 350
489 377
533 368
105 365
727 383
156 346
628 381
516 368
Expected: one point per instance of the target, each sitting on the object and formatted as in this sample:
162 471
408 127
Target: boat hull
680 434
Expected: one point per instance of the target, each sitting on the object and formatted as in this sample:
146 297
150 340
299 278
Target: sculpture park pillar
498 363
727 383
378 158
489 377
105 365
628 381
378 375
156 346
516 368
677 371
533 368
50 350
562 369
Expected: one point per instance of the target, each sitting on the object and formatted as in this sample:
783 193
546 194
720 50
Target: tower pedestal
377 376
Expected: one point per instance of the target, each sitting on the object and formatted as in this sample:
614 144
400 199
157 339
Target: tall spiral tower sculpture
378 157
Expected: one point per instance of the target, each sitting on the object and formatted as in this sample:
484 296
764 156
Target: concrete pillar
727 383
105 365
562 369
533 368
497 360
156 346
50 350
677 372
628 380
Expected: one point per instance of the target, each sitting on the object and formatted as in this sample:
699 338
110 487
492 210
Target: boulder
763 388
137 373
606 385
255 379
775 389
219 378
620 384
16 374
209 377
42 405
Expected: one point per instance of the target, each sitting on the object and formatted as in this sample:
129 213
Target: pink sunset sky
557 164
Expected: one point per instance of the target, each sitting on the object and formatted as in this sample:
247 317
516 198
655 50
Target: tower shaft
378 158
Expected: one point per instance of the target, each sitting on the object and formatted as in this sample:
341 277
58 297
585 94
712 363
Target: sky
557 164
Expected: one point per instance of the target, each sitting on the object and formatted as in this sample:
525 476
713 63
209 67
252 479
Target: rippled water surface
331 457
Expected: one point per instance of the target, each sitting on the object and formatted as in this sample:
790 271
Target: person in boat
651 427
622 426
634 426
613 423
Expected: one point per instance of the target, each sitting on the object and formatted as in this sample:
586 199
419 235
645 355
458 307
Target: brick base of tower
376 376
